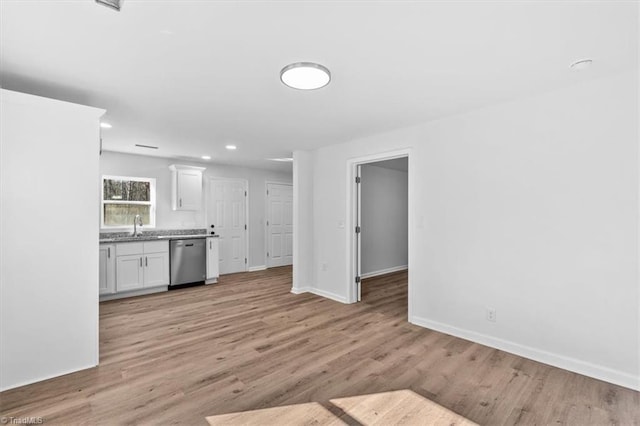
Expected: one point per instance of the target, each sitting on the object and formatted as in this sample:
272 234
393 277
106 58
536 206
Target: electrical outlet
491 314
324 266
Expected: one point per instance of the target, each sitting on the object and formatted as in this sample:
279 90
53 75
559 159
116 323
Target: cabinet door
189 190
212 258
156 269
107 277
129 272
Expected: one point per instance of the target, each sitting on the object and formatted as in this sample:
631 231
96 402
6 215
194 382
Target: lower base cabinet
129 272
134 266
156 269
213 260
107 274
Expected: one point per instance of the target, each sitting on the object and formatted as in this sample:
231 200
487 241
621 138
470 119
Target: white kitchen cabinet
213 269
107 269
156 269
142 265
186 187
129 272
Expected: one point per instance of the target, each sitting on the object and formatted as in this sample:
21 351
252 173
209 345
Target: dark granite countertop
153 235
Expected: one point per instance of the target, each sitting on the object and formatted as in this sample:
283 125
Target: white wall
384 239
112 163
49 238
303 259
529 207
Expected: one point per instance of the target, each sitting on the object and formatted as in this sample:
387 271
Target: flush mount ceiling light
112 4
581 65
206 157
231 147
305 76
105 125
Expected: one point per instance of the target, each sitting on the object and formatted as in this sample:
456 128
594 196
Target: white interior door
227 214
279 225
358 234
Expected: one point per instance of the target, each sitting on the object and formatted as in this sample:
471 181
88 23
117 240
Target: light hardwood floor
247 343
402 407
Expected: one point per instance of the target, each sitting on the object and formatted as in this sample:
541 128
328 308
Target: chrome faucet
137 221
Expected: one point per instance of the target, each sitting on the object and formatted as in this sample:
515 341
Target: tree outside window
125 197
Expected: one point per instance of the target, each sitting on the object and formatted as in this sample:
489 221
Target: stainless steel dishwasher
188 261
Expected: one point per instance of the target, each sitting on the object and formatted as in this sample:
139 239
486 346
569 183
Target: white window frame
151 202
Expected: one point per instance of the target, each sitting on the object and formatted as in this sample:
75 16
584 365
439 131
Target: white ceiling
192 76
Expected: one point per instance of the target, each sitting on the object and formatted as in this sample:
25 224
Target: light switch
341 224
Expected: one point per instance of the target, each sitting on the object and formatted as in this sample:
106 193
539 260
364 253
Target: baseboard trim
257 268
567 363
140 292
47 377
385 271
318 292
328 295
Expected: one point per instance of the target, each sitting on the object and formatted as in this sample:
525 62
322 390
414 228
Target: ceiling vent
113 4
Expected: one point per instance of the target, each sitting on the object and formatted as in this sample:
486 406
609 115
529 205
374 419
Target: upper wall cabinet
186 187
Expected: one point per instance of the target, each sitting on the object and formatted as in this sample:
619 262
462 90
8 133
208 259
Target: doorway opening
380 215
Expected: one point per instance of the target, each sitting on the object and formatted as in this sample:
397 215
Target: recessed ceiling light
581 65
231 147
206 157
287 159
305 76
105 125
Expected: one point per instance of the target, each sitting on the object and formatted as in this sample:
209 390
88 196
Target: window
125 197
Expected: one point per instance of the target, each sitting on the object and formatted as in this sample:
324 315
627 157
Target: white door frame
352 212
266 214
245 183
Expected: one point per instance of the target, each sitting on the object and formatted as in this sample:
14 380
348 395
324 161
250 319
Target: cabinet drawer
156 246
125 249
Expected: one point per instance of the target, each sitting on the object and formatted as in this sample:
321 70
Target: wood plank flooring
247 343
403 407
